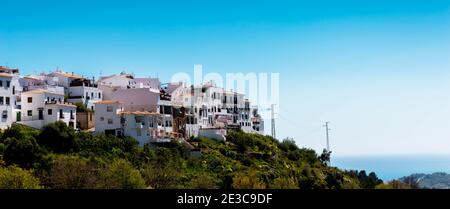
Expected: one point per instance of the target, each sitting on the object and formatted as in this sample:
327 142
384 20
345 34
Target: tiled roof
40 91
68 75
63 104
5 75
140 113
109 102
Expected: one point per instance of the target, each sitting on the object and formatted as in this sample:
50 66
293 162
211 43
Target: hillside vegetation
59 157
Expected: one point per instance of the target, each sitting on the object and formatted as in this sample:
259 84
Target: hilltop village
125 105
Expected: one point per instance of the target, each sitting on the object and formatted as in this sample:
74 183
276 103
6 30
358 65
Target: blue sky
378 70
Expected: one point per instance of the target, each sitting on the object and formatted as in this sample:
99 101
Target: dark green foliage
57 137
81 107
62 158
366 181
23 152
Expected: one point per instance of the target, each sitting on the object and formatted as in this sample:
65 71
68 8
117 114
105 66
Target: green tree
82 107
325 156
58 137
23 152
72 172
120 174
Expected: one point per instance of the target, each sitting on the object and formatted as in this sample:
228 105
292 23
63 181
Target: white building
137 99
9 98
121 80
107 117
61 78
213 107
40 107
143 126
84 91
29 83
149 83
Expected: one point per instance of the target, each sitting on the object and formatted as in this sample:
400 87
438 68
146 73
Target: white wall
94 95
137 99
7 110
218 134
102 116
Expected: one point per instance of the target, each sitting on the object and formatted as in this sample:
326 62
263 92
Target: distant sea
394 167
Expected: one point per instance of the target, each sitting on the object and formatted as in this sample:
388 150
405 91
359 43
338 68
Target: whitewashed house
148 83
44 82
84 91
257 121
61 78
121 80
143 126
141 99
215 109
40 107
107 117
9 98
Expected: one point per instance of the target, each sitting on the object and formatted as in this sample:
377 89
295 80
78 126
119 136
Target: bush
284 183
247 180
13 177
203 181
162 177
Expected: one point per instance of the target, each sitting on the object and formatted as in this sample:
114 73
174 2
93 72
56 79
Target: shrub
13 177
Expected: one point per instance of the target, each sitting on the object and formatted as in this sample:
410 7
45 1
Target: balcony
75 97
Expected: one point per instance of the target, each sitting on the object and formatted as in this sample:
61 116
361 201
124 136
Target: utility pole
327 129
272 109
328 152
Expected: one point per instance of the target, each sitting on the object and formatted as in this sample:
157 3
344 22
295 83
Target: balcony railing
75 97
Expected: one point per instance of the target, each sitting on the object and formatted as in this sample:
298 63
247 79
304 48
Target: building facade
40 107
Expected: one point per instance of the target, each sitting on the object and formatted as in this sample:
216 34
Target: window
49 112
30 99
138 132
71 114
99 95
102 119
5 114
8 83
14 90
61 115
92 95
29 113
1 83
109 108
7 100
110 121
1 100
